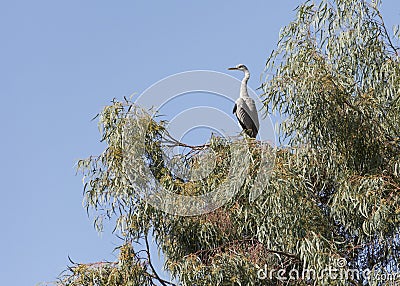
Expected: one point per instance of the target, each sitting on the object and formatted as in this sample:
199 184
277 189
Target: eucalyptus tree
327 210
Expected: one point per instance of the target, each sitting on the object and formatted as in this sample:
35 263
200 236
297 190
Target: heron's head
240 67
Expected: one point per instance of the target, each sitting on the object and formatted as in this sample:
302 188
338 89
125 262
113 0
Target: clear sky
60 63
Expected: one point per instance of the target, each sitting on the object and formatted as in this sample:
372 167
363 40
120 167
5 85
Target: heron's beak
231 69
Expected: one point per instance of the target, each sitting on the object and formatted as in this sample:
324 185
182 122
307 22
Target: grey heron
245 107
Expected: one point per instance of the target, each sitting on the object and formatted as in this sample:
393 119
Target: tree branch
253 240
156 276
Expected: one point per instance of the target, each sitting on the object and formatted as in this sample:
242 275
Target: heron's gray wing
246 118
253 111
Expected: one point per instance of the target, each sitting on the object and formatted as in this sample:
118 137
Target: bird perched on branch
245 108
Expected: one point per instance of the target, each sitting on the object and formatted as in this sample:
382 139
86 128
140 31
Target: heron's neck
243 87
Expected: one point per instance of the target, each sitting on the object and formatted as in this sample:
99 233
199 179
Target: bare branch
162 281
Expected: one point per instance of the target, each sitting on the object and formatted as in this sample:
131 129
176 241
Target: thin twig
395 50
175 143
162 281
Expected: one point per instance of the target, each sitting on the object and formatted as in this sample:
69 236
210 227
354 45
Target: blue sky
60 63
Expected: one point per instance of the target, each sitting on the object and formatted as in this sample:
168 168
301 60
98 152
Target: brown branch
253 240
156 276
176 143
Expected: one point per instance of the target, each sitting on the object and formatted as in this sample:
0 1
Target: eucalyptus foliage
330 201
336 83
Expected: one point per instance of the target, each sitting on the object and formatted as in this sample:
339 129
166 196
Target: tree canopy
330 200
